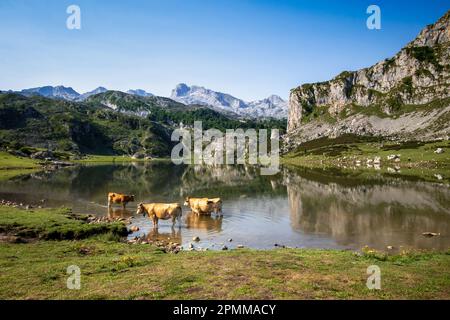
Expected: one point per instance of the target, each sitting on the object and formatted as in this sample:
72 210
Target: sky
248 48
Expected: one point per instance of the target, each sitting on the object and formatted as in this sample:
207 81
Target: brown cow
119 198
164 211
204 205
217 205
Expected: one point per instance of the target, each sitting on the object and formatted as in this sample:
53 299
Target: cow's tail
180 210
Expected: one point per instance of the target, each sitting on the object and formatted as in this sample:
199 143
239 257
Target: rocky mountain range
405 97
58 92
106 122
86 95
140 92
273 106
69 94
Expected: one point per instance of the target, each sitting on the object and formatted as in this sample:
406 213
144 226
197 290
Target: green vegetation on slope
213 119
137 125
76 127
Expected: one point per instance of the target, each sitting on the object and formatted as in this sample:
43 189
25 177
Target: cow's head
141 209
132 198
186 202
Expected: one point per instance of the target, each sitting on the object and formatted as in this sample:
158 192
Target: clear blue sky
248 48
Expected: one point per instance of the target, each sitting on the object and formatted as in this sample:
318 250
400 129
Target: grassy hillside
112 123
76 127
8 161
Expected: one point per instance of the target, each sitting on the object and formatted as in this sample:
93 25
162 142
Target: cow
216 205
164 211
119 198
204 205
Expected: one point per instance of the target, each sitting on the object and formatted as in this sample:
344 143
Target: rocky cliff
407 96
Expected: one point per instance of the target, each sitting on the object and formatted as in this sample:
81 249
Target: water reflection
203 222
304 208
379 215
156 235
119 213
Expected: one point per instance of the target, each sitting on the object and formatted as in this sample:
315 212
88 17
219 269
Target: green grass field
116 270
8 161
11 166
417 159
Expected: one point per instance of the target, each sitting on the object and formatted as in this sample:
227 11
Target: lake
297 208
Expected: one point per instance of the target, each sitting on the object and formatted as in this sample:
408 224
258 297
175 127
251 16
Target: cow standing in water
163 211
204 206
119 198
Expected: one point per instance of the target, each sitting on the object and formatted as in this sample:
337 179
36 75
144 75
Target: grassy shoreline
112 269
414 159
113 159
11 162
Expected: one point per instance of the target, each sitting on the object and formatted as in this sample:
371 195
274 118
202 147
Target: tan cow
204 205
164 211
119 198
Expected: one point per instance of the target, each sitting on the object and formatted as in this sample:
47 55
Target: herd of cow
166 211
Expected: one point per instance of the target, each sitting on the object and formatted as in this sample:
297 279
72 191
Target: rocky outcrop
360 101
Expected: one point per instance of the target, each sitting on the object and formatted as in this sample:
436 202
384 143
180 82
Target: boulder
43 155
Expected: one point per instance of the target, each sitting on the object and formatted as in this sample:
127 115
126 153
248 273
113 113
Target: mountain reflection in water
297 207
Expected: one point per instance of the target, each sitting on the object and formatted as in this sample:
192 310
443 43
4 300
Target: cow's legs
109 202
124 205
174 220
155 222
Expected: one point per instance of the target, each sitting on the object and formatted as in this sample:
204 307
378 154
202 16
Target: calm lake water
296 208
